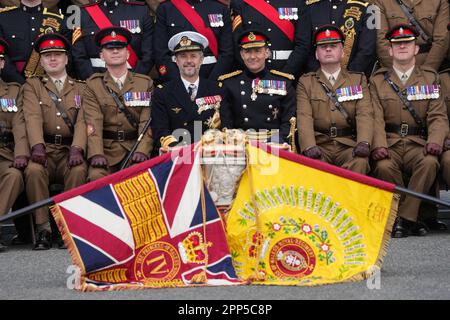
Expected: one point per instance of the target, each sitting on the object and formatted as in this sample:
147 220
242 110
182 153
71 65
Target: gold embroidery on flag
114 276
141 204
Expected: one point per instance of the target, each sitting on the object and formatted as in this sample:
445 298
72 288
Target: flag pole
27 209
421 196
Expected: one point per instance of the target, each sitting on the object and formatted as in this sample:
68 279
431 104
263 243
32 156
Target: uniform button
13 36
269 61
334 7
92 32
32 29
268 119
246 119
172 24
333 22
249 22
32 44
185 124
270 106
242 81
59 100
192 7
58 114
244 106
58 127
269 29
111 12
119 124
242 93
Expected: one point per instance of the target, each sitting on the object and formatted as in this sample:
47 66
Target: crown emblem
113 34
251 36
402 32
185 41
193 249
327 33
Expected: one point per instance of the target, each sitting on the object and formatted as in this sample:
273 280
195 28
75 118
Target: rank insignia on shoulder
229 75
309 2
283 74
349 93
423 92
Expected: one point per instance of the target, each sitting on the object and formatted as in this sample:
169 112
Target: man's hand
99 161
362 149
433 148
75 157
20 162
313 152
38 154
380 154
138 157
447 144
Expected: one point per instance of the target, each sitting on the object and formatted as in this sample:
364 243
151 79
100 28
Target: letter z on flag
151 225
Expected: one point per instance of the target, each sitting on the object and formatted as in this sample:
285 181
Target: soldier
132 15
14 150
284 22
207 17
117 107
20 26
410 125
334 110
257 98
352 17
55 128
187 99
429 18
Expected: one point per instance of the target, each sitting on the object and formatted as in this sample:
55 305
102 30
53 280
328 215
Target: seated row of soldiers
57 129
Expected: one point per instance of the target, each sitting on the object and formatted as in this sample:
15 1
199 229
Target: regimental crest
327 33
251 36
193 249
402 32
113 34
185 41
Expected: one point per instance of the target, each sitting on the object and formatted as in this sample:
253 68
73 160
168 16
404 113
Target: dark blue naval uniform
247 17
268 111
173 109
134 16
20 27
341 13
170 21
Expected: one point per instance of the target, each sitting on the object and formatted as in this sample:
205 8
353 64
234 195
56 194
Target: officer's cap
112 37
187 41
253 39
402 33
3 48
328 34
51 42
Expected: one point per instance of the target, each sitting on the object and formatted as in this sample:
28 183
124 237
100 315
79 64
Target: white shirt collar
400 73
335 74
63 79
122 78
187 83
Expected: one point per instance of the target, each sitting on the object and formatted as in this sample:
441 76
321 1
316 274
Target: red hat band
252 38
110 38
52 43
401 32
328 35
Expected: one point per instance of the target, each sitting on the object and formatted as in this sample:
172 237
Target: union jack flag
153 224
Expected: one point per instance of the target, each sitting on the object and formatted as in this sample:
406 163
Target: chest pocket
426 20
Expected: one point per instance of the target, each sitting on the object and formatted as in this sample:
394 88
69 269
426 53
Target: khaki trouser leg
36 185
11 185
445 167
340 155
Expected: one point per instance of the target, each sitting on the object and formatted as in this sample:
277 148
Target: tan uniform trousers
340 155
445 167
11 185
38 178
97 173
408 157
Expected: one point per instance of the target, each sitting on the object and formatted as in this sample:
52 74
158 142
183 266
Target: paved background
414 268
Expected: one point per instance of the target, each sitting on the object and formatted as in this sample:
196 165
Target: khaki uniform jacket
13 121
102 113
316 111
444 76
433 16
42 116
388 108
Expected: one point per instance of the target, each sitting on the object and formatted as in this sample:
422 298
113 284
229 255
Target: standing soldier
188 99
20 26
429 18
211 19
257 98
410 125
334 110
353 18
132 15
14 150
55 128
117 107
284 22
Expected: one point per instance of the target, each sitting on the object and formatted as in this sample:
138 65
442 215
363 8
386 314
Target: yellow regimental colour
292 224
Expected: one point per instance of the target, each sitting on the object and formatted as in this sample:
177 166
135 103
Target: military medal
207 103
138 28
349 93
77 99
255 85
272 87
14 106
10 105
3 105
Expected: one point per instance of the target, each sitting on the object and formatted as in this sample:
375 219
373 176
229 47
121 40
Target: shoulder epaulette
381 71
309 2
142 76
6 9
445 71
13 84
283 74
137 3
362 3
428 69
95 75
229 75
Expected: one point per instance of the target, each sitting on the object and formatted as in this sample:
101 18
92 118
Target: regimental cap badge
251 36
327 33
113 34
402 32
185 41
